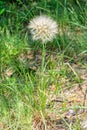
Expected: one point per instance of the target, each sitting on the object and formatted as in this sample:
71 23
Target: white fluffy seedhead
43 28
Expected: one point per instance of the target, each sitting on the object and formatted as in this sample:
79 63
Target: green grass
30 75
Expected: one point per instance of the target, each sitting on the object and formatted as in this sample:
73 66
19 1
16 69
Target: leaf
2 11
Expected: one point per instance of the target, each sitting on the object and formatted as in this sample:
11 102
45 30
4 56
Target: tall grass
25 82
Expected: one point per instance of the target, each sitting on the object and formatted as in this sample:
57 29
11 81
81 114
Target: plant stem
43 56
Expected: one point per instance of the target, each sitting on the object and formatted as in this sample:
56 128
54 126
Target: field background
51 96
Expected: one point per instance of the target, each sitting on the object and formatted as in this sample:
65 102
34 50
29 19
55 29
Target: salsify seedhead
43 28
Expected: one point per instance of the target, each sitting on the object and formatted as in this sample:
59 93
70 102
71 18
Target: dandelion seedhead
43 28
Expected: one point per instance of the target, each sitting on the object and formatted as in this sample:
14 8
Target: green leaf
2 11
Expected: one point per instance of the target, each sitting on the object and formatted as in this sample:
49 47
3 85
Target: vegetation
43 91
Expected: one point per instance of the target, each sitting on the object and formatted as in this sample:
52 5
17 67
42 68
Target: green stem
43 57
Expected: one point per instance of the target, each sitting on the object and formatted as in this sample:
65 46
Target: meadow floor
43 90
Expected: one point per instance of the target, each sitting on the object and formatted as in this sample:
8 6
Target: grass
34 83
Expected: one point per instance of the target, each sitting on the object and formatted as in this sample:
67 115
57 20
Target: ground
43 89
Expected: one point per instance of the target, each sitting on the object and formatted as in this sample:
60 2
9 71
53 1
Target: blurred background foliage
15 16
